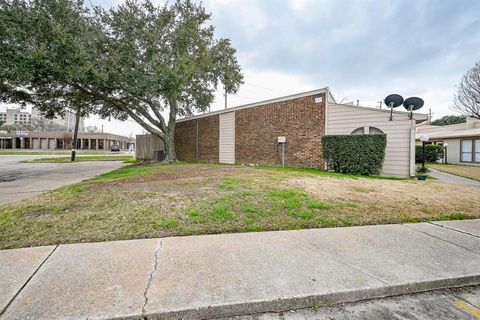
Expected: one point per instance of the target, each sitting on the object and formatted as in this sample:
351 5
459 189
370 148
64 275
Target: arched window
360 130
370 130
373 130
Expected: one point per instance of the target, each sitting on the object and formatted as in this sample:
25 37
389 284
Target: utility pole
225 94
75 133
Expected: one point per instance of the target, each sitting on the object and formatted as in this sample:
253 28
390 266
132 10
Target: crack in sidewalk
150 279
441 239
453 229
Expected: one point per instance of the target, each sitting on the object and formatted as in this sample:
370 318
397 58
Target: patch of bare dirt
390 194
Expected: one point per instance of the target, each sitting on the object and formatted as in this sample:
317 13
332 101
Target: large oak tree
135 60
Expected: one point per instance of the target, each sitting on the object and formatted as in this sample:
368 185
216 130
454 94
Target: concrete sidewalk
451 178
234 274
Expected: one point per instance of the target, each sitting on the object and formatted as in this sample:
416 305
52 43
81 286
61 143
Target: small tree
467 98
448 120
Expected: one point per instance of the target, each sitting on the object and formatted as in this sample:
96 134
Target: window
466 150
360 130
373 130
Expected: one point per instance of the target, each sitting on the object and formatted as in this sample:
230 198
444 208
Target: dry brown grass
157 200
470 172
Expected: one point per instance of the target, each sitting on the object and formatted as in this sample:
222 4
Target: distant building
15 116
463 140
18 116
63 140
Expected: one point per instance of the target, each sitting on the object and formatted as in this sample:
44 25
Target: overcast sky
360 49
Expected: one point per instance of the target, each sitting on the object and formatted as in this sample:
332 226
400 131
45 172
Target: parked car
115 148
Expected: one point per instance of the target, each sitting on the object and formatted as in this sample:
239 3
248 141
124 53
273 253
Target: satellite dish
413 103
393 100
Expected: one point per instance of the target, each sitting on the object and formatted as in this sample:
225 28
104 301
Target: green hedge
433 152
355 154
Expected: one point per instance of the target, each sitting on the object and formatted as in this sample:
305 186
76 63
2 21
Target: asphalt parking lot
20 181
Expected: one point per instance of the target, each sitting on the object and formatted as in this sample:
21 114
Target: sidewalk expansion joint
447 241
453 229
26 282
314 248
150 279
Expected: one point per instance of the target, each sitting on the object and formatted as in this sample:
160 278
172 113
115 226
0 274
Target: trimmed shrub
355 154
433 153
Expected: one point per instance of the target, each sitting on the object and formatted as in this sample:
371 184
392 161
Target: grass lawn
157 200
83 158
470 172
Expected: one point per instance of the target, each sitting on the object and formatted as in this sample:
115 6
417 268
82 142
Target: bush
433 153
422 170
355 154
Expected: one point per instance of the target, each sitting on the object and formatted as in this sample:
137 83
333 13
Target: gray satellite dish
393 101
412 104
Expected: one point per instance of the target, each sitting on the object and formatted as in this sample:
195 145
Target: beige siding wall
453 156
227 138
399 156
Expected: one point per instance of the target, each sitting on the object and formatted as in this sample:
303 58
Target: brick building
53 140
251 134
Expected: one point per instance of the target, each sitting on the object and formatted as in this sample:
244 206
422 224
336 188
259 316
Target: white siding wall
227 138
399 154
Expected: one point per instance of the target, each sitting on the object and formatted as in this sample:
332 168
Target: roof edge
259 103
382 110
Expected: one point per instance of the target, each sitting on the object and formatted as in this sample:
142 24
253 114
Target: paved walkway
451 178
20 181
234 274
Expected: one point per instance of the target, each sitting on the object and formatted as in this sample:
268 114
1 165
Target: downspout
196 142
325 130
412 148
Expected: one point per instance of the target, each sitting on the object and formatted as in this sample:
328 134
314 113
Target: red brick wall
185 139
301 121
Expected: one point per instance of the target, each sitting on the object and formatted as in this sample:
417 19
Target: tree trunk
169 142
75 133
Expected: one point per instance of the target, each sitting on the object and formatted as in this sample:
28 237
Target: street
461 304
20 181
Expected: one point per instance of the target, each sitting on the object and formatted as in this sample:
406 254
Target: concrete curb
226 275
279 305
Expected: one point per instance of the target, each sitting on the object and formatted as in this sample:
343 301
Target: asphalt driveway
20 181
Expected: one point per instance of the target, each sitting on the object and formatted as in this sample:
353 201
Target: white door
227 138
